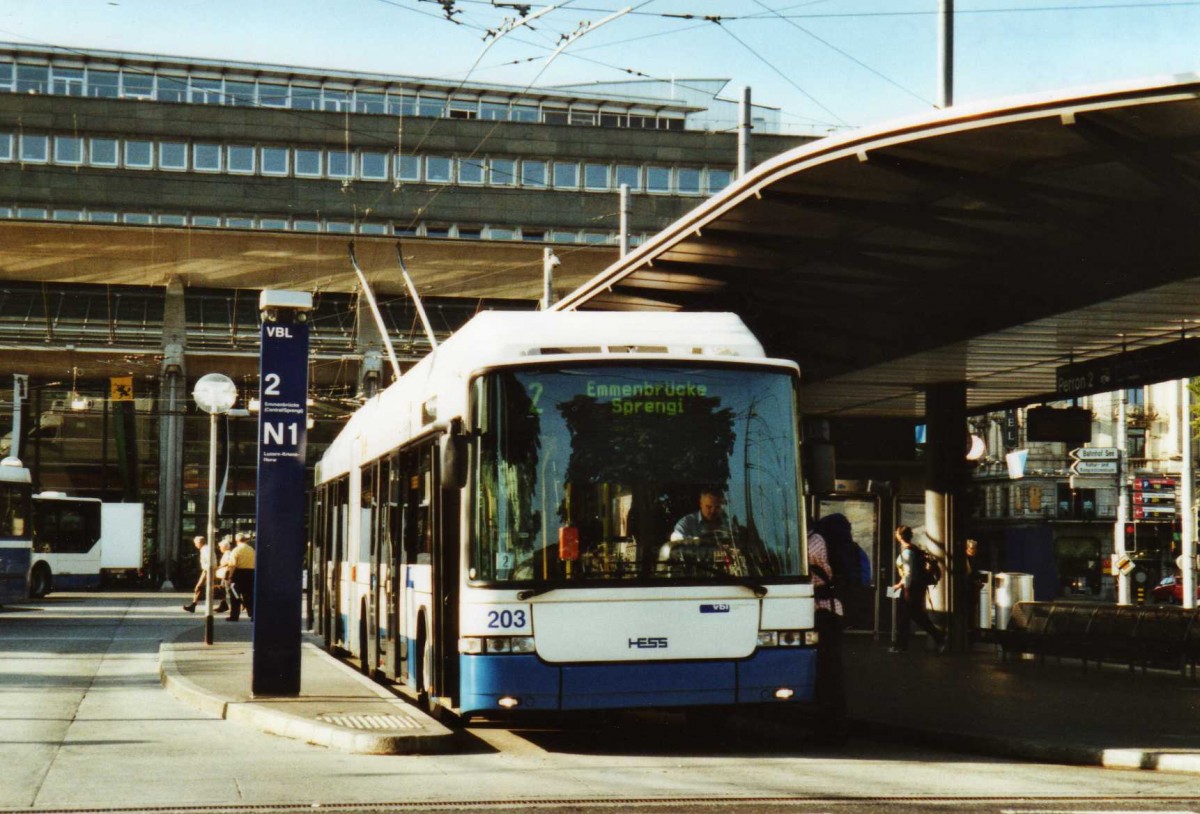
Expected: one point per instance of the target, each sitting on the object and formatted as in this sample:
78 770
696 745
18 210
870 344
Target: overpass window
566 175
372 229
307 226
463 109
563 237
277 224
272 95
308 163
33 78
718 180
554 115
102 152
438 169
596 176
172 220
34 149
67 81
583 118
339 227
305 98
6 146
102 217
6 76
337 101
369 102
68 150
431 106
137 85
373 166
502 172
236 223
533 235
340 164
206 157
103 84
595 238
495 233
275 160
612 120
139 155
408 167
172 155
68 214
658 179
631 175
688 179
207 91
402 104
31 213
240 93
172 88
493 111
139 218
523 113
533 174
470 170
241 159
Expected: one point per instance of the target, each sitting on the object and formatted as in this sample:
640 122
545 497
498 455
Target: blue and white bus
81 543
500 528
16 540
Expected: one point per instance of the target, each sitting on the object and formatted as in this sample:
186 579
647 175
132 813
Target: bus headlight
787 638
495 645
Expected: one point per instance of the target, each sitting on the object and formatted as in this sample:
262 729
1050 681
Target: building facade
146 200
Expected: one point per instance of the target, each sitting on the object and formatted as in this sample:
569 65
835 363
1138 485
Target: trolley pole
1187 511
1122 498
745 126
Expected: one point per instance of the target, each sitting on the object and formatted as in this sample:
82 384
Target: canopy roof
988 244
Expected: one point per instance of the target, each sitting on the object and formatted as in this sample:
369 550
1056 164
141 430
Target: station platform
1054 712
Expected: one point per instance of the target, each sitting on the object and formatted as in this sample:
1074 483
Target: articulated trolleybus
516 523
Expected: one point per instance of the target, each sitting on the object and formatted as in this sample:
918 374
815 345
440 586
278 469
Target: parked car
1170 589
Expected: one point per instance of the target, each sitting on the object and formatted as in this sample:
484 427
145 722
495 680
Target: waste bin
1011 587
984 603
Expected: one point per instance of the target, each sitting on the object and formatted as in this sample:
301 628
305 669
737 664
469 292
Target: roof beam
1174 177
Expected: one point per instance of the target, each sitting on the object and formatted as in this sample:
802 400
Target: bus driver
707 524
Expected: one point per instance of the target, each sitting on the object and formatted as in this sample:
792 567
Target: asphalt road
84 724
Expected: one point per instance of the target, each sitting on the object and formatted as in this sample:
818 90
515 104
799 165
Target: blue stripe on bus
542 686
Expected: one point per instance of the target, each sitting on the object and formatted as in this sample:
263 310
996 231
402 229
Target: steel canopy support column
1122 497
1187 501
945 488
172 404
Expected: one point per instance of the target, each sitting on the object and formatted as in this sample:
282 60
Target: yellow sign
121 388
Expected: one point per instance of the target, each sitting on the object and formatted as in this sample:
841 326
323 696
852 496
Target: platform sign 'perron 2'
282 435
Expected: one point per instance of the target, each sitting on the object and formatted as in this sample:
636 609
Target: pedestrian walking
224 571
241 578
914 587
830 685
205 552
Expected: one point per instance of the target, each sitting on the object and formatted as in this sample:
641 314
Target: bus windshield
602 474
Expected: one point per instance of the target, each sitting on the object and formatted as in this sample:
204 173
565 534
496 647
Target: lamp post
214 393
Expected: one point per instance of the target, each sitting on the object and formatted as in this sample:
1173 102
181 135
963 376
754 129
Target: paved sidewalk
337 706
1054 712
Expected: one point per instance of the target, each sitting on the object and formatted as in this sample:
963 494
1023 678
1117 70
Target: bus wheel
424 666
364 652
39 581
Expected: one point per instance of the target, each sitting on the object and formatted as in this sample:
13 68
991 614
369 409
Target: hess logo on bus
649 643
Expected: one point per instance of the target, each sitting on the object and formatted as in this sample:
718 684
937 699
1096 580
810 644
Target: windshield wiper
530 593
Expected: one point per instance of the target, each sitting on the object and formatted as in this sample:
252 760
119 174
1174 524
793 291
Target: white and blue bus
499 529
82 543
16 540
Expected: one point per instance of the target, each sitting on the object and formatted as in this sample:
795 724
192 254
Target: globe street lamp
215 394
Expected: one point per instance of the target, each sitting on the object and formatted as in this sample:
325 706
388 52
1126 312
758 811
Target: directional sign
1152 512
1096 454
1094 467
1148 484
1122 565
1154 498
1091 482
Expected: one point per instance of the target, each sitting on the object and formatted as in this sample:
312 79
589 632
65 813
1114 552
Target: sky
827 64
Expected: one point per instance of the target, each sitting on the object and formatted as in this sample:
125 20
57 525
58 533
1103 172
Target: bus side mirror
454 458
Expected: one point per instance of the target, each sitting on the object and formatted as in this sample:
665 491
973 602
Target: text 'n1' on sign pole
282 435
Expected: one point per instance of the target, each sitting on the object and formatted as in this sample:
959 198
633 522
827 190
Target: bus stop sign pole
279 518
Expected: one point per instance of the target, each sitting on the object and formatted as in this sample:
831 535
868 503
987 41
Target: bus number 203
506 619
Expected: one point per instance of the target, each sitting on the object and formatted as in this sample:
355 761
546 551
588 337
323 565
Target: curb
435 738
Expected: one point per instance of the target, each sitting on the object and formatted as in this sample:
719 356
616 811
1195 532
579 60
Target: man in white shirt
205 551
